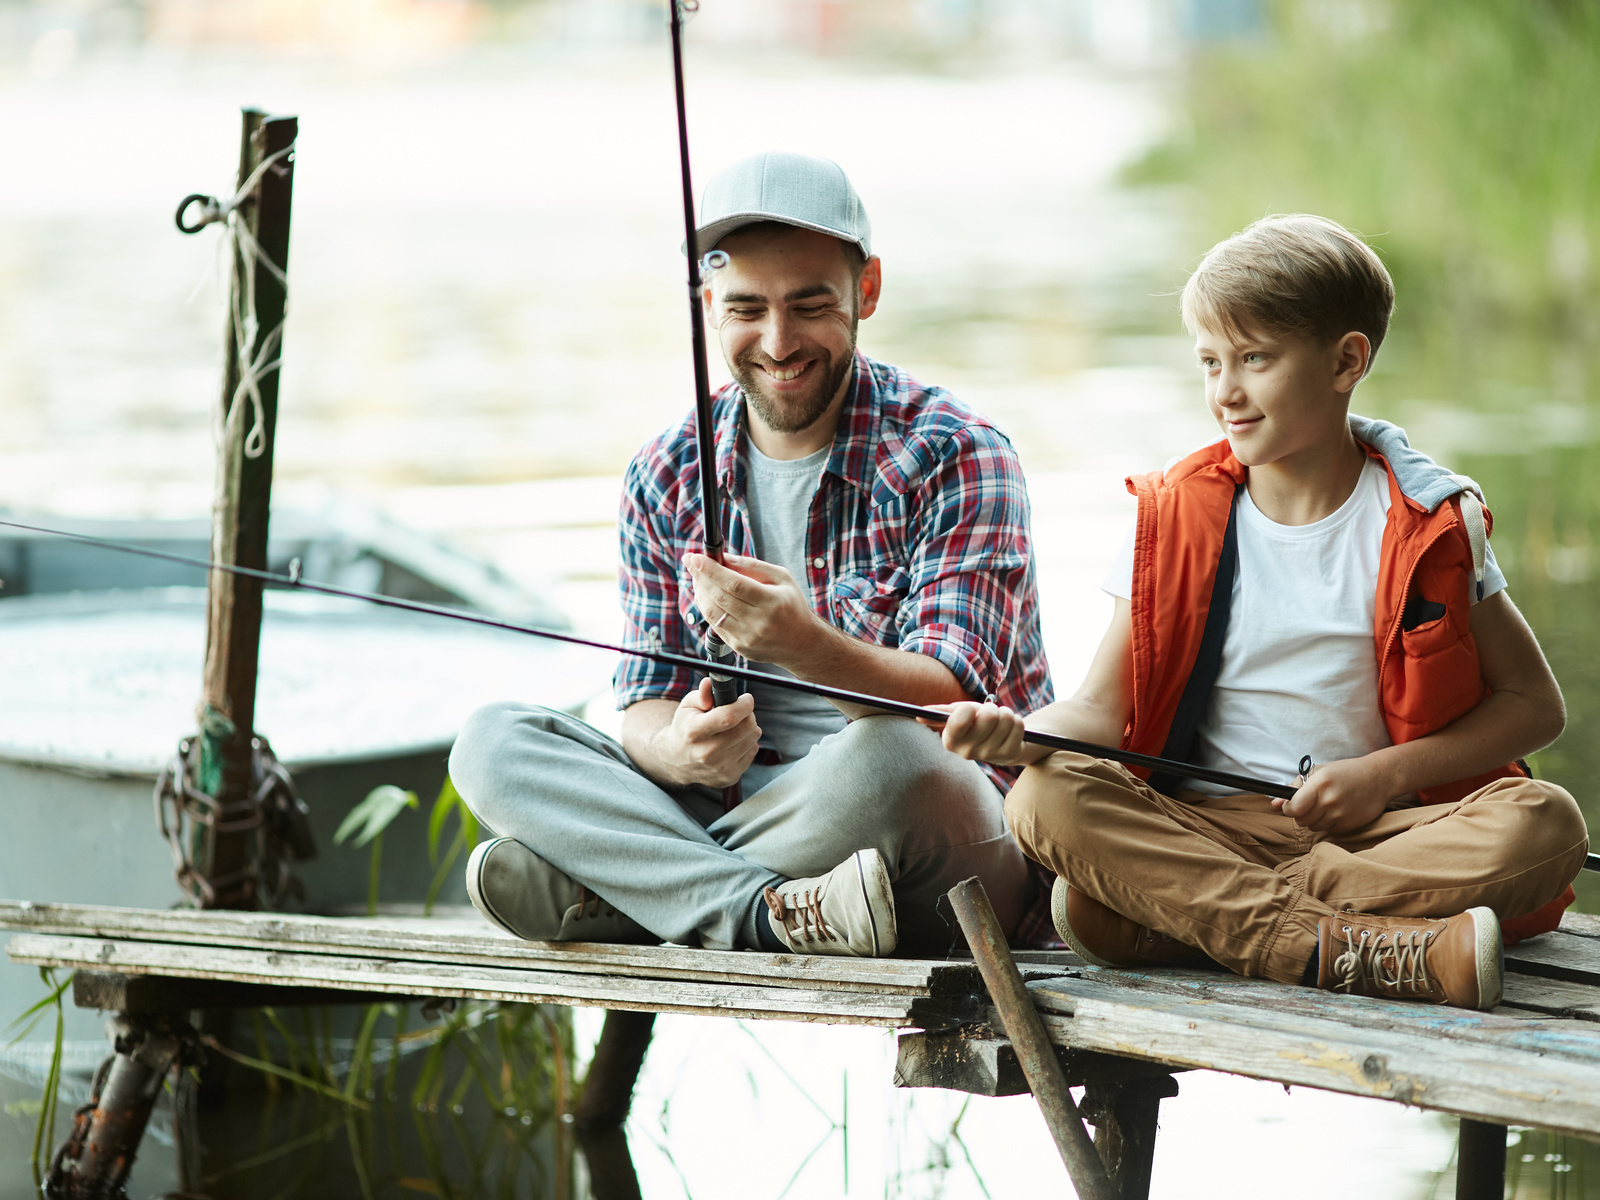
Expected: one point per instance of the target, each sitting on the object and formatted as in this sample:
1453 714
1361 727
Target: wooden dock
1533 1061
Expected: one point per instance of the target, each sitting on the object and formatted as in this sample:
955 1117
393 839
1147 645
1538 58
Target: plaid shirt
918 539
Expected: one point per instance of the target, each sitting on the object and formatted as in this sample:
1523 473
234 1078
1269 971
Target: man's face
1275 396
785 309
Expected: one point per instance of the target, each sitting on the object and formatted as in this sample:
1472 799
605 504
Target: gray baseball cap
813 193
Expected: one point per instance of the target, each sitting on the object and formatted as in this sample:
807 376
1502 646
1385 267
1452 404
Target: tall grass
1462 138
472 1101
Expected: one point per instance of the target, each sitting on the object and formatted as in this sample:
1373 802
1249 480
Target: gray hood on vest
1419 477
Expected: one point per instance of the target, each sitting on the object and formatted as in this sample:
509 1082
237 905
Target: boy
1309 585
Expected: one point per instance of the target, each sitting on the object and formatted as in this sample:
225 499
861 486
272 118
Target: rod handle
725 689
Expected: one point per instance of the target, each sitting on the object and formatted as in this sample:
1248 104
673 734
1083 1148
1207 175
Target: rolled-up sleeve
648 579
970 566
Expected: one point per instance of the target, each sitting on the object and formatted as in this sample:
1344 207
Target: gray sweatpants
689 873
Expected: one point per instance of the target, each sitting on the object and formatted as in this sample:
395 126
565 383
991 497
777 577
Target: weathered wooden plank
1473 1079
410 978
1551 997
1558 955
154 994
1292 1004
1287 1007
1581 924
474 942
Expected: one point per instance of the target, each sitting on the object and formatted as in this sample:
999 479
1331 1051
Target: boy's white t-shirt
1299 673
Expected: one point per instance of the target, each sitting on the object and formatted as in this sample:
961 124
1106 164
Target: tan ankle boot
1106 938
1455 960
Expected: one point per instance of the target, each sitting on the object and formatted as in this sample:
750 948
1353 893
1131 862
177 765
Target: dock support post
99 1151
1028 1038
1124 1117
614 1069
607 1096
1481 1161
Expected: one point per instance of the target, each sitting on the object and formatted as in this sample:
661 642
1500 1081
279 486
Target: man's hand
704 744
1340 796
983 732
756 607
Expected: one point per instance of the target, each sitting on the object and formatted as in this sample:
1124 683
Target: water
487 319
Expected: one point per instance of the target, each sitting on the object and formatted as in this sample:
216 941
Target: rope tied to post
250 256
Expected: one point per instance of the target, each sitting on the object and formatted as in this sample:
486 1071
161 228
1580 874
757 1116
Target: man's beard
791 414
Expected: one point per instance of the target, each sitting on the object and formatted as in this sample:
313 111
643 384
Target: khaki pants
1248 885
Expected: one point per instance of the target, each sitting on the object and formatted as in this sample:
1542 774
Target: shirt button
818 563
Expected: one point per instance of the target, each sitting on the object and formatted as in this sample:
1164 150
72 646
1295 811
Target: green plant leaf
374 870
374 814
268 1068
441 873
448 799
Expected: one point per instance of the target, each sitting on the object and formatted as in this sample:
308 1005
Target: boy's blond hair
1294 274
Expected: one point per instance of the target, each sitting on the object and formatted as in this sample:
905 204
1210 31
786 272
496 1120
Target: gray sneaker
850 910
524 895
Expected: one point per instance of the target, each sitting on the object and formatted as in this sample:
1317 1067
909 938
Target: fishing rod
293 581
724 683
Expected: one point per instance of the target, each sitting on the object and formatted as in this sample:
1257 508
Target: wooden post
1124 1117
1028 1037
618 1056
253 337
1481 1161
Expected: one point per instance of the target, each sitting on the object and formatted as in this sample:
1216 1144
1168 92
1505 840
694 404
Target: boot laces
1366 957
800 914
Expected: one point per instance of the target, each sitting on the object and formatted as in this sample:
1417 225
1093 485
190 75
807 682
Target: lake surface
486 321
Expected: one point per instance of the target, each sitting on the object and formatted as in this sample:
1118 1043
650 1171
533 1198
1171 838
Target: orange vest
1427 676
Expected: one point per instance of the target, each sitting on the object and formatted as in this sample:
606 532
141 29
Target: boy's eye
1255 356
1208 364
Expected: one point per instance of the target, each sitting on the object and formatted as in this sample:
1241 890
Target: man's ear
1352 355
871 286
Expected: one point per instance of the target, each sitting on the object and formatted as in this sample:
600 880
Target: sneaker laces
1364 959
591 905
808 924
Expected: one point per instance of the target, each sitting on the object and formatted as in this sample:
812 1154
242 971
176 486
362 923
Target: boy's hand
982 732
1338 796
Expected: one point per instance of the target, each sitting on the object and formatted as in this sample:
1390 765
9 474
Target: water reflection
384 1101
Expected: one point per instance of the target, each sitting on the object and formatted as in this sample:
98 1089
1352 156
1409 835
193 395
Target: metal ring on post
210 211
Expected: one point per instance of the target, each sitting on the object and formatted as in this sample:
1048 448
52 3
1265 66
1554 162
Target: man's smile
786 374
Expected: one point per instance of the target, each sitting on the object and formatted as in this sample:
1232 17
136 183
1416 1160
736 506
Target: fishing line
293 581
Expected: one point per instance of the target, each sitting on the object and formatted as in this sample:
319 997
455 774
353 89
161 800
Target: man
879 540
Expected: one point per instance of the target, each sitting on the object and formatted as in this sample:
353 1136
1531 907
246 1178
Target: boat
100 669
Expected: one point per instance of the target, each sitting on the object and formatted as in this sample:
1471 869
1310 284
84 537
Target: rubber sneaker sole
1490 955
1058 918
475 862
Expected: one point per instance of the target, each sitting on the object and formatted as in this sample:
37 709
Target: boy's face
1277 395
